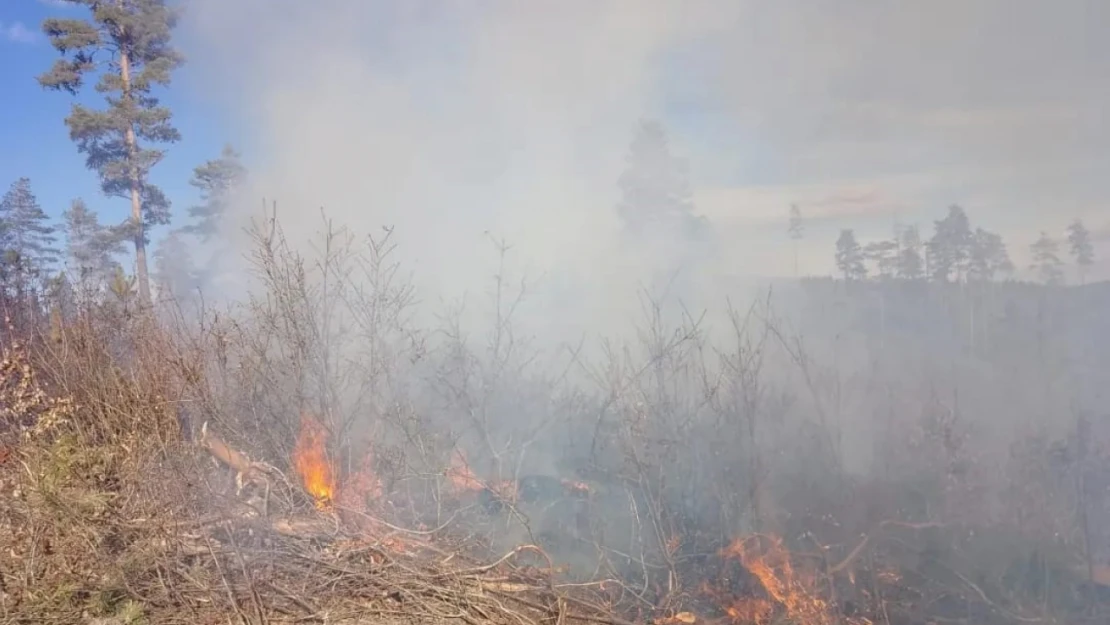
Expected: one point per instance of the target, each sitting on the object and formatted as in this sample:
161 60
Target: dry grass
108 513
110 510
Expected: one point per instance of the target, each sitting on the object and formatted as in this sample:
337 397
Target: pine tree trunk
136 186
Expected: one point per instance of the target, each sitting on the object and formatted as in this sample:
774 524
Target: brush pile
256 570
310 569
112 513
127 524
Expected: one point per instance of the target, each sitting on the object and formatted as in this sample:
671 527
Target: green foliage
72 467
26 237
128 44
122 286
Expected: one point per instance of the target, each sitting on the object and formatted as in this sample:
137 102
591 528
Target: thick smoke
455 126
449 121
459 124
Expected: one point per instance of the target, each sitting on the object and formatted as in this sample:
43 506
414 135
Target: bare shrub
680 471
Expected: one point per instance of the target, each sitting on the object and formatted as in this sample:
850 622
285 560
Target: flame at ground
310 458
463 480
461 477
349 501
362 486
357 495
793 594
576 488
748 610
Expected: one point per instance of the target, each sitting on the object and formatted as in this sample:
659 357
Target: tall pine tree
90 247
674 244
655 187
989 257
885 256
795 228
216 180
175 275
911 266
128 43
1046 259
951 246
1081 248
849 256
28 238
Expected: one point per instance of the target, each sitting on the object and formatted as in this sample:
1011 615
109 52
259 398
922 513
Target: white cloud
17 32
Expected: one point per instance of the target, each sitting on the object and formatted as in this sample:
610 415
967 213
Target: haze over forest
522 117
808 270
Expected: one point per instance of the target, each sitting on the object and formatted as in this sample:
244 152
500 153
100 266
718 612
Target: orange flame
682 618
796 596
747 610
460 475
310 459
361 486
576 488
463 480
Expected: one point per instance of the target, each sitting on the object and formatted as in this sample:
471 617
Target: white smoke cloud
449 120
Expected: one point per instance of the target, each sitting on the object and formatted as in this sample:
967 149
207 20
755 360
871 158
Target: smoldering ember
554 313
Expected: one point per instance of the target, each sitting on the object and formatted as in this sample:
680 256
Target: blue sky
441 118
36 141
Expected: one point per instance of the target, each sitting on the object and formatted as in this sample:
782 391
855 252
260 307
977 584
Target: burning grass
788 593
110 527
310 459
463 481
111 522
85 537
110 509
